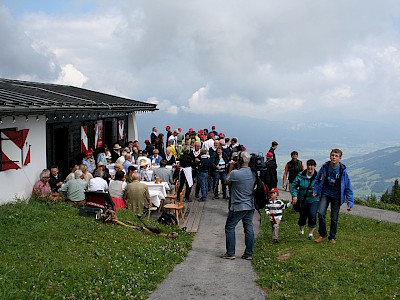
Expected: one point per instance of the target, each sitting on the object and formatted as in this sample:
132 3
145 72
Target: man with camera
241 180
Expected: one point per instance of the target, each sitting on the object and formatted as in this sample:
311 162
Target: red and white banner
121 133
15 150
98 135
84 139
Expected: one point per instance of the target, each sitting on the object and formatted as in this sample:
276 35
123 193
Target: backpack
167 219
261 194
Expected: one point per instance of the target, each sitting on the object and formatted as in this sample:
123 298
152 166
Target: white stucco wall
17 184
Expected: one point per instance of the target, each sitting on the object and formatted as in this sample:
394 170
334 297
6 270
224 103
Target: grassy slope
52 253
364 264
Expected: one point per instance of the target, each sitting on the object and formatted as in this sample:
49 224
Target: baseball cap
270 154
274 190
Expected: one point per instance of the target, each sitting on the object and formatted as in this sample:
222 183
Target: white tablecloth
157 191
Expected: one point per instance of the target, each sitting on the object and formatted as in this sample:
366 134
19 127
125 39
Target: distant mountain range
371 170
374 172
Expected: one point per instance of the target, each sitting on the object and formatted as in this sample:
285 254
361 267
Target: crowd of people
200 157
213 163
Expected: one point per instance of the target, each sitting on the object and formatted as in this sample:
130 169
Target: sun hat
117 147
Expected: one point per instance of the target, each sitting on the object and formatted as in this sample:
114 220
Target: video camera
257 162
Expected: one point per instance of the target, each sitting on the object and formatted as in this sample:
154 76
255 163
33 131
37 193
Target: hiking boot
319 239
247 257
275 241
310 237
332 241
197 196
301 232
216 197
227 256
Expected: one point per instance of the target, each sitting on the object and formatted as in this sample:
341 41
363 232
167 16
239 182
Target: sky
257 69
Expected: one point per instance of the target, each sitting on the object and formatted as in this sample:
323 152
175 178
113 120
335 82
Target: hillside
374 172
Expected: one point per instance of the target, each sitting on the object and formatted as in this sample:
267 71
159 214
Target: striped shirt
275 208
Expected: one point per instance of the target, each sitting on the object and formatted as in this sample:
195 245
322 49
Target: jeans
322 208
220 176
308 211
233 219
202 182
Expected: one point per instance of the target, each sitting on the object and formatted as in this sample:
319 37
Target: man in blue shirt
241 206
333 186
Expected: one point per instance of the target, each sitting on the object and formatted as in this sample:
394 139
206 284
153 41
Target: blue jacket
346 191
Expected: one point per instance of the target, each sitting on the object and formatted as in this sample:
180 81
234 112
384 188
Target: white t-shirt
97 184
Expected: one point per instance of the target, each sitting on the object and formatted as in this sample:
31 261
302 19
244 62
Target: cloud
71 76
268 60
21 57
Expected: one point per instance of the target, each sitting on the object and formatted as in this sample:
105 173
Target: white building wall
17 184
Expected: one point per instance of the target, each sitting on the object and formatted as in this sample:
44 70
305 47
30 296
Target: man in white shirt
98 183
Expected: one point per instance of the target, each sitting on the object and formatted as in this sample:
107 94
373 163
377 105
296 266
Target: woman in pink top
42 187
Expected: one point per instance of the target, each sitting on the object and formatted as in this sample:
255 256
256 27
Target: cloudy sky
319 62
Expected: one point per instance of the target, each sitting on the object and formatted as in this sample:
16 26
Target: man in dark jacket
270 176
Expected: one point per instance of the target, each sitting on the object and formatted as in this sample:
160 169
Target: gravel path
203 274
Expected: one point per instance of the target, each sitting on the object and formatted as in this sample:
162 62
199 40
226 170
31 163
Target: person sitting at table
155 158
87 175
169 157
56 179
142 157
72 174
129 176
117 167
89 161
117 190
106 174
137 195
42 188
127 162
144 171
164 174
75 189
98 183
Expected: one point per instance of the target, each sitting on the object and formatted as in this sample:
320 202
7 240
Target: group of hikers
312 192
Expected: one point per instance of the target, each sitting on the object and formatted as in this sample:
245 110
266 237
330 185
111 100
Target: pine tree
385 198
395 194
372 197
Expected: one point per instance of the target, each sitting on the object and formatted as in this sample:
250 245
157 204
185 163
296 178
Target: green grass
50 252
364 264
378 204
